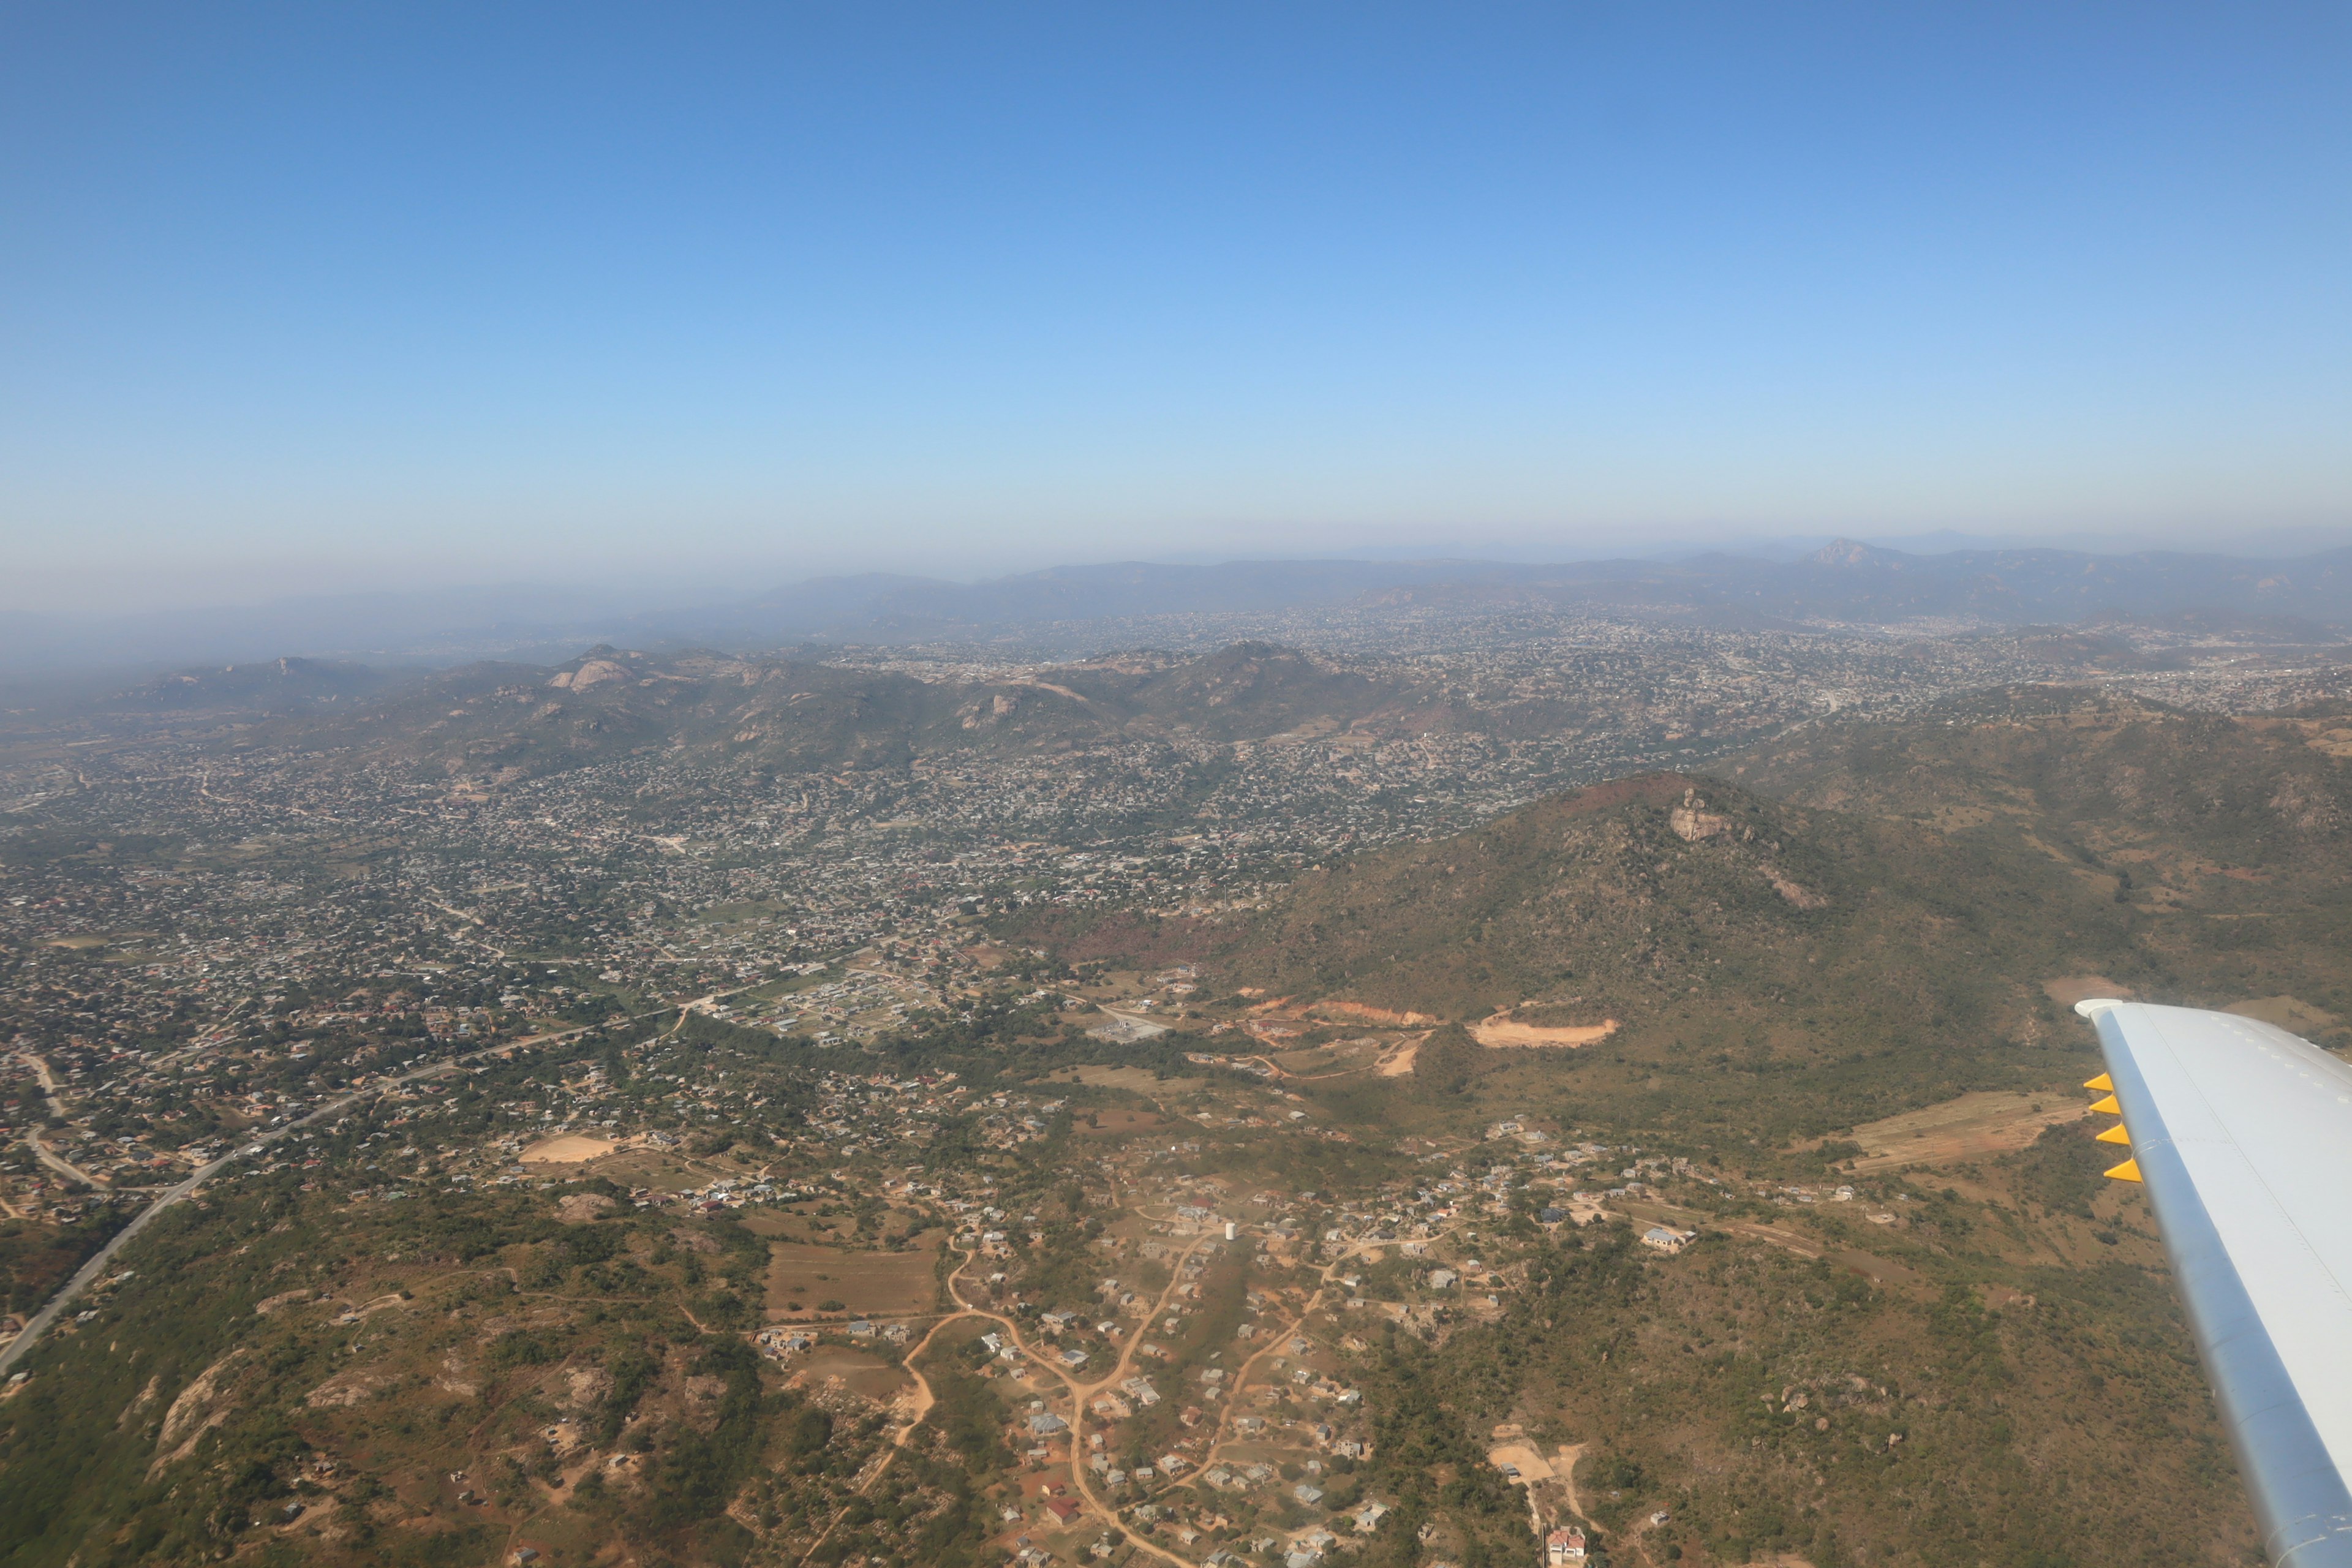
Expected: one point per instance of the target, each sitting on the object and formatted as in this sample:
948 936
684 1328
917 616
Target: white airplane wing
2243 1135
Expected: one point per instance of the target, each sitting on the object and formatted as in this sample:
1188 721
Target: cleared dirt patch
1369 1015
665 1172
1967 1128
863 1372
1522 1458
2069 989
1399 1062
1331 1060
867 1284
1501 1033
571 1149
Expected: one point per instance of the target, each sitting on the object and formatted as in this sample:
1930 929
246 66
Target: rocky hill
2033 830
1859 929
1858 921
1858 963
2222 842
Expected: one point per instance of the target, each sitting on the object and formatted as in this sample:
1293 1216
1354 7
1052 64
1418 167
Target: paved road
16 1349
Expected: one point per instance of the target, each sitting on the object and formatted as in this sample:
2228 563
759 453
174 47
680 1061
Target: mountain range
1086 608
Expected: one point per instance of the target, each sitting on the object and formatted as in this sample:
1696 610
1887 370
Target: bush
526 1347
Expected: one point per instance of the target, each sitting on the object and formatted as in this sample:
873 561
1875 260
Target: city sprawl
864 1105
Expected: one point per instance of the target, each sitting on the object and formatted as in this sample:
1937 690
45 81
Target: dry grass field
1361 1055
803 1278
1114 1124
1360 1013
2296 1017
2069 989
1969 1128
571 1149
1137 1080
864 1372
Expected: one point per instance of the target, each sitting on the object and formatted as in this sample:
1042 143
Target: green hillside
1852 963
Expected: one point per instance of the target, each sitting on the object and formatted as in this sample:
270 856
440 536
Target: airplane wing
2243 1135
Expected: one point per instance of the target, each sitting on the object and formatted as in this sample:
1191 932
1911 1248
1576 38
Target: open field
1499 1032
570 1148
1521 1456
867 1284
1114 1123
1139 1080
2069 989
866 1374
1964 1129
663 1170
1340 1057
2296 1017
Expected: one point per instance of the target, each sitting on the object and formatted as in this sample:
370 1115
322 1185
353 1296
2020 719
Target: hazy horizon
323 301
609 588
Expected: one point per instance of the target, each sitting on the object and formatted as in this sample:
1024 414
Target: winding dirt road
1078 1394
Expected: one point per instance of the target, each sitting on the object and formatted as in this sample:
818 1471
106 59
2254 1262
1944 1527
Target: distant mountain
1842 581
1081 609
881 609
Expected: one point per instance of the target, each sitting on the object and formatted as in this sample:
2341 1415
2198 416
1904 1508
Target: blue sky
314 296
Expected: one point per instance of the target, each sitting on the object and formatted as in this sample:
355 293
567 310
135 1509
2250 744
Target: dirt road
15 1349
1078 1394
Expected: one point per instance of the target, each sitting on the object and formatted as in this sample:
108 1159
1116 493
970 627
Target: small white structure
1667 1241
